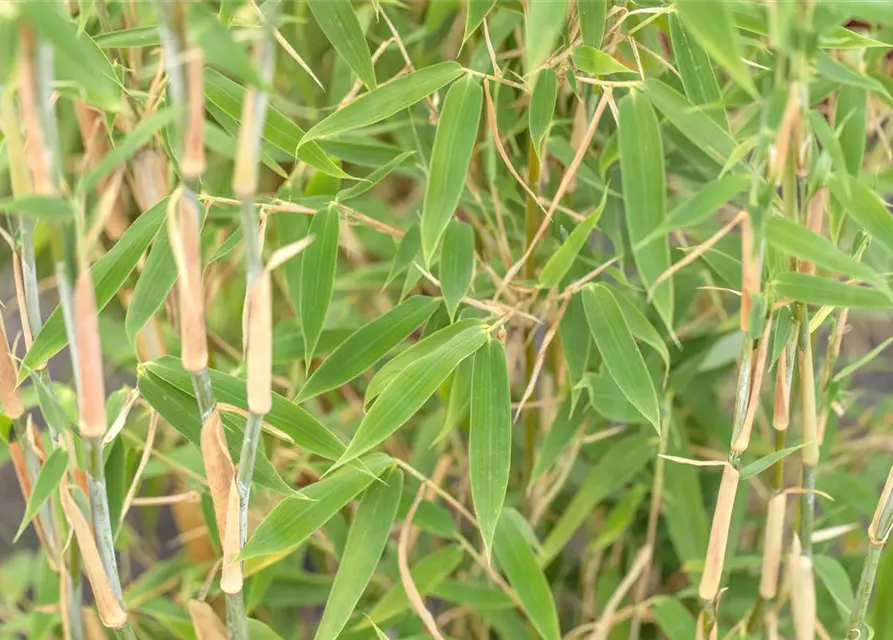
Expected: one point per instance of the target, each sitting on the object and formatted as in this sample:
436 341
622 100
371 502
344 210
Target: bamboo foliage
426 301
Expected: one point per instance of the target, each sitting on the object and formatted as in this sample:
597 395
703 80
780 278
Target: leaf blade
341 27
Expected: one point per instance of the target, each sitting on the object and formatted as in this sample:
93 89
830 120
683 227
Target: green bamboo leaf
279 131
758 466
829 141
365 544
490 437
36 207
837 581
374 178
564 427
9 46
450 159
339 23
421 349
674 619
621 355
297 424
426 574
294 520
459 395
475 13
829 292
48 479
693 121
77 58
615 468
409 390
409 247
865 207
154 284
108 274
644 195
368 345
456 263
257 630
318 263
796 240
696 70
179 409
683 501
608 400
707 200
864 360
619 520
711 24
597 63
147 36
851 115
592 14
576 344
640 327
542 107
561 261
219 47
385 101
524 575
841 74
546 19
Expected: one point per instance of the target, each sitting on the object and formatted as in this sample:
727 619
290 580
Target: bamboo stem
531 224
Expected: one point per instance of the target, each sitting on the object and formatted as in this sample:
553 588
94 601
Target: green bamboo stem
878 533
531 225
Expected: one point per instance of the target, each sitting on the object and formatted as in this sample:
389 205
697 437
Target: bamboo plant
446 318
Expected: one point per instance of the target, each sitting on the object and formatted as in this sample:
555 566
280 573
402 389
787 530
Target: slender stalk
878 533
810 432
531 224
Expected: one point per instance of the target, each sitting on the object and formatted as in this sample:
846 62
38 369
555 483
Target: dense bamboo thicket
463 319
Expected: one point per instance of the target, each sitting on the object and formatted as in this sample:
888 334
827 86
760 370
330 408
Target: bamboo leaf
368 345
546 20
475 13
592 14
640 327
279 131
318 263
450 159
829 141
711 24
410 389
865 207
365 544
839 73
561 261
338 21
524 575
77 58
837 581
426 574
851 114
674 620
293 421
696 70
542 107
694 122
409 247
620 353
490 437
576 344
36 207
597 63
644 195
374 178
614 469
147 36
829 292
294 520
108 274
796 240
620 519
48 479
421 349
385 101
568 422
456 264
218 45
154 284
758 466
864 360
